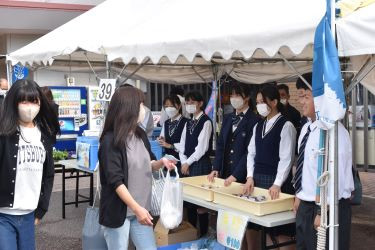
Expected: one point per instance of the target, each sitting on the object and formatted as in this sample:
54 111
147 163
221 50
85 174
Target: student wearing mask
126 163
195 148
27 128
171 131
235 134
305 179
179 92
270 154
290 112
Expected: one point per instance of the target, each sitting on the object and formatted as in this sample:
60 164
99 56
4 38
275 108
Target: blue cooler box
202 243
87 151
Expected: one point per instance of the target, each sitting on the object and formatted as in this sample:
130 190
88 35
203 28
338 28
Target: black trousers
193 218
306 234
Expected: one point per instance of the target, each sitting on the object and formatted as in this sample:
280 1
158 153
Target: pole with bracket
215 71
333 168
9 73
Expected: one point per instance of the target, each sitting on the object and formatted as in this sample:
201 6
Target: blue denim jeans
141 235
17 232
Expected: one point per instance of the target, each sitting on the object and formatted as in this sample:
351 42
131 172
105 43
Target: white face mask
171 112
142 113
191 108
263 109
28 112
284 101
237 102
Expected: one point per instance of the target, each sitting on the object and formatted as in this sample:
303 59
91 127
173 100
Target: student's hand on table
229 180
169 164
185 169
143 216
36 221
249 186
296 205
274 192
212 175
317 222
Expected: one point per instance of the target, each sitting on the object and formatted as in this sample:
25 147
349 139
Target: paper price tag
231 229
107 88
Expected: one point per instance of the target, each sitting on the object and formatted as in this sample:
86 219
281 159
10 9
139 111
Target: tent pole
365 128
92 69
354 127
214 88
107 67
200 76
122 71
135 71
9 73
295 70
359 76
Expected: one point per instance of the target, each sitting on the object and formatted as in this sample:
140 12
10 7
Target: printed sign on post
231 229
107 88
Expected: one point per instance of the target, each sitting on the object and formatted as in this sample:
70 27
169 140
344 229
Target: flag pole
333 135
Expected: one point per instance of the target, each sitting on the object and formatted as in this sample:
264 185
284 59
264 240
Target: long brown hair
122 115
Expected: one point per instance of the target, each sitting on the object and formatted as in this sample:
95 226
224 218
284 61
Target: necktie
172 127
237 119
193 122
301 156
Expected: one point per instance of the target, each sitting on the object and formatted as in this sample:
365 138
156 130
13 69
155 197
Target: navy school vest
192 134
175 137
267 147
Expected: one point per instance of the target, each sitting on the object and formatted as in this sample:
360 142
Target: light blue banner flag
210 106
328 91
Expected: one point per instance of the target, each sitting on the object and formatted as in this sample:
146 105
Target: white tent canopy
356 39
180 41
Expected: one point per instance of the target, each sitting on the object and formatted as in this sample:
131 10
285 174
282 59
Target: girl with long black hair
126 163
28 126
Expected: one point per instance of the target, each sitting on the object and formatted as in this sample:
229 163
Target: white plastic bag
157 193
172 202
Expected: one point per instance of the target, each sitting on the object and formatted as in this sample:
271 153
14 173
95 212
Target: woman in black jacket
28 125
126 164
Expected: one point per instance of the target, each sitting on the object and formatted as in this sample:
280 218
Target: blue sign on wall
19 72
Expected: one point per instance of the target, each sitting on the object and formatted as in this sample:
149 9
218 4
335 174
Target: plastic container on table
227 197
200 187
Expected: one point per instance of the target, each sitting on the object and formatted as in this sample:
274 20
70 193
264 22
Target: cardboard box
185 232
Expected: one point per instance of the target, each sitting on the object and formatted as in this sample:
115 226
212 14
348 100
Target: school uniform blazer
241 137
113 166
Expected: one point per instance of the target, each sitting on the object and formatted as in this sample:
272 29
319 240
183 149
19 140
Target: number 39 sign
106 89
